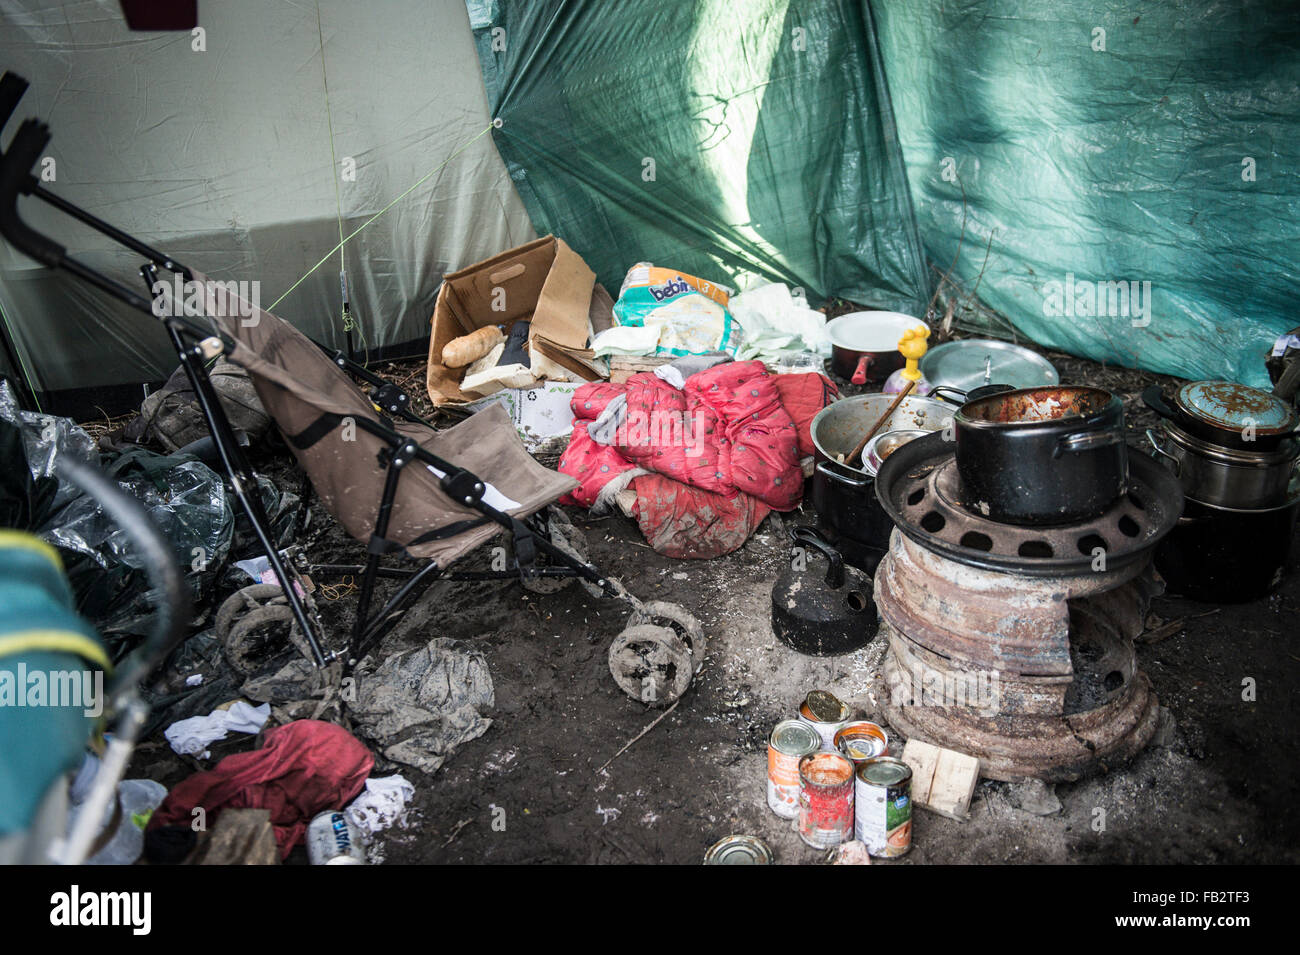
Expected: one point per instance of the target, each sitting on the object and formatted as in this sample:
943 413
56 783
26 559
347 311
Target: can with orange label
790 742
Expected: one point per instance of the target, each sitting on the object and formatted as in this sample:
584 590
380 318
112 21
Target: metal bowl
886 443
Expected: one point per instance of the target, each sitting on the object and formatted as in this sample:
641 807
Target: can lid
825 707
795 738
885 771
739 850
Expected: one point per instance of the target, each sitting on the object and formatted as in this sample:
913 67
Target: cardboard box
544 282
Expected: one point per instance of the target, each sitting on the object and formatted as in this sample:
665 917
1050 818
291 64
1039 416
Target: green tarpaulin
725 138
1133 171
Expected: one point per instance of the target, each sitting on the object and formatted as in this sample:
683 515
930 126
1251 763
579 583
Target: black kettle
821 616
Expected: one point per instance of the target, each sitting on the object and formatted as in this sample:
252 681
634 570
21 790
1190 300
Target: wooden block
240 837
943 780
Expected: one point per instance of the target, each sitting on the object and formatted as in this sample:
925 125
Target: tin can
333 840
883 810
862 740
739 850
790 742
825 800
813 711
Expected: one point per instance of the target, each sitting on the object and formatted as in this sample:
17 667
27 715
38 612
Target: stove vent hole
856 600
1129 527
916 496
1114 680
977 541
1090 542
1035 549
933 522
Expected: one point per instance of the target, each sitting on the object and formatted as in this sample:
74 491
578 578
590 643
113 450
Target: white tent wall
222 158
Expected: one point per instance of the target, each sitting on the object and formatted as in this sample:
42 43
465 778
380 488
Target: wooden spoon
856 453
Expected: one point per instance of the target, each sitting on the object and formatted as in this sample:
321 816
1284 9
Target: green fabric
1122 164
767 122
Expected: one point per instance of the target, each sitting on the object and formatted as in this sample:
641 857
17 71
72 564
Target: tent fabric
731 139
1102 142
222 157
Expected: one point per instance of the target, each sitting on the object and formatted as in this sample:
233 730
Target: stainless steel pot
1220 476
845 497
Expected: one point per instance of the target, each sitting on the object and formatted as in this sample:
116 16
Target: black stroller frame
196 344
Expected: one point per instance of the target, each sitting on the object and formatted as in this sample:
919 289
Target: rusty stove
1015 643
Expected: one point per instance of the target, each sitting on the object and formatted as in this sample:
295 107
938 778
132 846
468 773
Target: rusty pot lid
1234 407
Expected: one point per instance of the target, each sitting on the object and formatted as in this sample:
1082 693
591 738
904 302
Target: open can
813 712
825 800
739 850
862 740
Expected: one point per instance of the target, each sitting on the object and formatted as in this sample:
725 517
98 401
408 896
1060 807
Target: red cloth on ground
724 450
728 430
303 768
593 465
689 523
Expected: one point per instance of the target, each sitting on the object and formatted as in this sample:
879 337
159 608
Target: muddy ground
1218 786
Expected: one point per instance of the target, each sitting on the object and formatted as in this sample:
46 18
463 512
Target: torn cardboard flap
544 282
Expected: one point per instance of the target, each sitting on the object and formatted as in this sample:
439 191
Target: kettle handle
806 536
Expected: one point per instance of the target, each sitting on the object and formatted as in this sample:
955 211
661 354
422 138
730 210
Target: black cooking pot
1222 555
1042 455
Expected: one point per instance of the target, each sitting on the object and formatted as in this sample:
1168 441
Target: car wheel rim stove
1013 643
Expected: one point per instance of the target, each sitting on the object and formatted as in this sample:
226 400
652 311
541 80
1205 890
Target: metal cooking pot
1228 555
1222 476
1226 414
1042 455
884 444
821 616
844 497
864 345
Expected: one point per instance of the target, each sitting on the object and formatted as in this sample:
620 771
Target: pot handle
938 391
859 376
1159 449
1087 441
806 536
826 472
1154 398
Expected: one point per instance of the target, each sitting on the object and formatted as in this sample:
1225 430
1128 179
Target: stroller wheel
651 664
568 538
661 613
253 625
